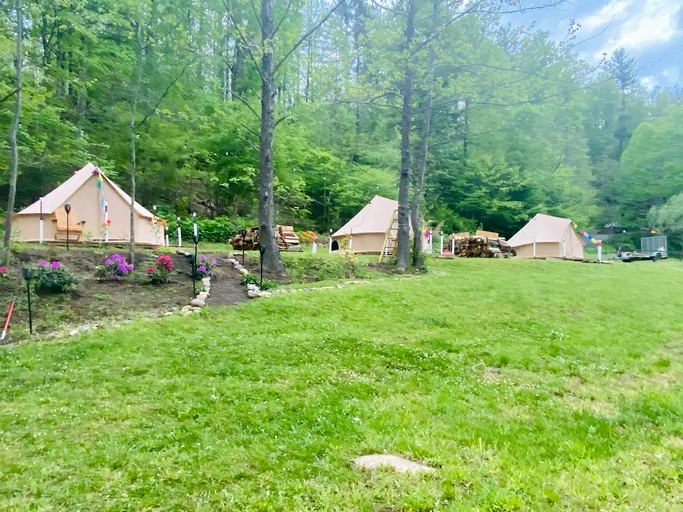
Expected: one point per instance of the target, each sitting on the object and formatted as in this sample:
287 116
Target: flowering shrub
115 267
308 236
205 267
160 270
53 278
3 272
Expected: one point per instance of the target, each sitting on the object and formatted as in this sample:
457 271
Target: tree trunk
132 129
266 210
403 241
14 127
418 193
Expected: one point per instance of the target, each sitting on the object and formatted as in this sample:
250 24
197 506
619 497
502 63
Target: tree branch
242 38
256 14
249 143
289 4
281 119
305 36
251 130
165 93
246 104
15 91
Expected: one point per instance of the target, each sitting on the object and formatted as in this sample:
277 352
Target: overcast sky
650 30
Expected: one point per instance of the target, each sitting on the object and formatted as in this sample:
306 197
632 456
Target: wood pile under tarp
287 239
248 242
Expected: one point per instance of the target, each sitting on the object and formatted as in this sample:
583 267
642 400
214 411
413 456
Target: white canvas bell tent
546 236
366 231
96 201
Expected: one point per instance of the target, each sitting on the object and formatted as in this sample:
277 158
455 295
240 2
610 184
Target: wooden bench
75 225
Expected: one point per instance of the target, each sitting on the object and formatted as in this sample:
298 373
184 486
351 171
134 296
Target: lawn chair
75 225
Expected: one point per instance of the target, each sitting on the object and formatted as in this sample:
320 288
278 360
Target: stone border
198 302
253 291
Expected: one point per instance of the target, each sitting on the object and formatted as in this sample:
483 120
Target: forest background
519 123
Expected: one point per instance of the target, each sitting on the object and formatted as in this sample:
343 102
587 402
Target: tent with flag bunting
95 200
546 236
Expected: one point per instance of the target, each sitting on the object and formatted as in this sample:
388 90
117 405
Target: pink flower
42 263
55 265
150 270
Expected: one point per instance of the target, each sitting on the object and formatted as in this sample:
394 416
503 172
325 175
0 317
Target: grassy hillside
530 385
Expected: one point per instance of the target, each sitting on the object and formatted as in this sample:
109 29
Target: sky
650 30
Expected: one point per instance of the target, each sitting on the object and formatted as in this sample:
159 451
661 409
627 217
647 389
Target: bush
159 272
268 284
53 278
115 267
216 230
205 267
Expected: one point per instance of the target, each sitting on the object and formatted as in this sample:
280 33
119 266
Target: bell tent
100 211
367 230
546 236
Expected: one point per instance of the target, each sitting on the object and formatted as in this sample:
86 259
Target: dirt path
225 284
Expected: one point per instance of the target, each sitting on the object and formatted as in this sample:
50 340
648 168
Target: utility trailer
652 248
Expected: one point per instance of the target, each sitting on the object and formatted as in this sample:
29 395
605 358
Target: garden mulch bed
95 303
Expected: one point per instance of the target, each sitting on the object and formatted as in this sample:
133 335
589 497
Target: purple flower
116 256
122 267
42 263
108 261
201 268
202 258
55 265
213 261
129 267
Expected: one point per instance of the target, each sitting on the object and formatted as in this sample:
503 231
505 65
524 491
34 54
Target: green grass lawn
529 385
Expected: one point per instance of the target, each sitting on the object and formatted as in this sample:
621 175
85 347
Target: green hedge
216 230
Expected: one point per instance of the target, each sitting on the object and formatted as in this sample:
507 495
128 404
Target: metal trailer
656 246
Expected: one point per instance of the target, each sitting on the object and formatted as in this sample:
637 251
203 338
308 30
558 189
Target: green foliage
668 219
53 278
267 284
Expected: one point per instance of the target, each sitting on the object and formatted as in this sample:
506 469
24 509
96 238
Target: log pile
468 246
472 247
248 242
287 239
284 235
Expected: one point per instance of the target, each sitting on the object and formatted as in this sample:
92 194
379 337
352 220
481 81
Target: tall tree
622 69
423 154
14 153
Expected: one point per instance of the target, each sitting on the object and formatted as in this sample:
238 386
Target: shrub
205 267
216 230
53 278
268 284
160 271
115 267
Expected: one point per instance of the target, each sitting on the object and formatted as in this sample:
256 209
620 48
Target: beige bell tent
100 212
367 230
546 236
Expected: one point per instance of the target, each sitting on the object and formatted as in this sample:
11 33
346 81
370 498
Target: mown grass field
529 385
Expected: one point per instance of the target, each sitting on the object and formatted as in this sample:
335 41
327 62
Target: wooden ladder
389 247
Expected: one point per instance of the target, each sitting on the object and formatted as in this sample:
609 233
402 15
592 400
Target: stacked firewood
287 239
472 247
248 241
